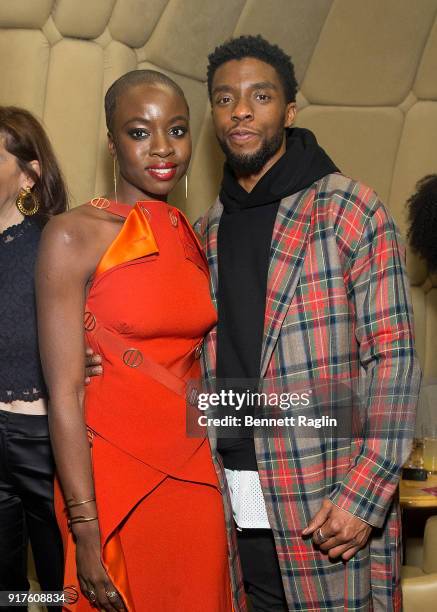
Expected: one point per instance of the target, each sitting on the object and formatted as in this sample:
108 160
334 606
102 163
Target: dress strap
116 208
134 358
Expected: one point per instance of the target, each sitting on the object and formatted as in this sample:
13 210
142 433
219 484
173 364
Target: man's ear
290 114
26 179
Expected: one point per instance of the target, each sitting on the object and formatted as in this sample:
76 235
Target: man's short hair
130 79
258 48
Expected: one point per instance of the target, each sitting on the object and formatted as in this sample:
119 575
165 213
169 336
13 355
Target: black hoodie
243 250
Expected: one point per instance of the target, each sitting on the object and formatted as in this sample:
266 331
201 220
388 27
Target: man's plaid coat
337 309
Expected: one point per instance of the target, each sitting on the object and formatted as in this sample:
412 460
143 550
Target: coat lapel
289 241
287 252
210 232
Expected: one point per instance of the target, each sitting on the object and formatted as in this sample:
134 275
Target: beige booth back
368 88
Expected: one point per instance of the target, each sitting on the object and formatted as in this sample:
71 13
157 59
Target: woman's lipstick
162 172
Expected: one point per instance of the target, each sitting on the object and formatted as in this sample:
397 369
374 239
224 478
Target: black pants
26 504
261 573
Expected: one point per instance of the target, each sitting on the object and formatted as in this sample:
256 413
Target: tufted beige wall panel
351 133
299 29
133 22
368 52
30 59
425 86
367 70
82 19
25 13
185 32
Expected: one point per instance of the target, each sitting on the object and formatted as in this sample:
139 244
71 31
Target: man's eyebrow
264 85
260 85
221 88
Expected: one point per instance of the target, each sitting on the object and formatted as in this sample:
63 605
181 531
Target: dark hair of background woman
422 215
24 137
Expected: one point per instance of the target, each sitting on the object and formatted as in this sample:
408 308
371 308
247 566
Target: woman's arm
63 268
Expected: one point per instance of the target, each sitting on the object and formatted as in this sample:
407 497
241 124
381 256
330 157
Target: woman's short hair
24 137
131 79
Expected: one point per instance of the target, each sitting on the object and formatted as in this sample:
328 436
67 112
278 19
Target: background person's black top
21 375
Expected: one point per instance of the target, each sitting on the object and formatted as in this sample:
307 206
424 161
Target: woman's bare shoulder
74 230
74 240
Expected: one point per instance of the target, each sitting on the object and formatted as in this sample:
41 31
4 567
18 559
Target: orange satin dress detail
160 509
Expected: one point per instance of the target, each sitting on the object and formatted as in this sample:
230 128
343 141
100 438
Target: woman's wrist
85 532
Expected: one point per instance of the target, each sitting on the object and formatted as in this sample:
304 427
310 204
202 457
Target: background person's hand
92 576
93 364
343 534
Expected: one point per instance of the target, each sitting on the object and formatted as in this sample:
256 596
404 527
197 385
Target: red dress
160 510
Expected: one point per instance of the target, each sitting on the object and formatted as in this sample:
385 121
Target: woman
144 508
31 191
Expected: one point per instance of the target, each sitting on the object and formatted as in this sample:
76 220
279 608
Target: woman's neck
132 196
9 215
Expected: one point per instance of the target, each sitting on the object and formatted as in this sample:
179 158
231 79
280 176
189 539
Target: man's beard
246 164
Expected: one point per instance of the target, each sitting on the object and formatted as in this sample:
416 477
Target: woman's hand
93 579
93 364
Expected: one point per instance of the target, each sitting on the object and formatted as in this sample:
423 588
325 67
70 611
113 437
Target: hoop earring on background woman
25 194
186 186
115 178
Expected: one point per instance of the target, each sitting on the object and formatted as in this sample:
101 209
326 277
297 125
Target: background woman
422 236
422 213
145 509
31 191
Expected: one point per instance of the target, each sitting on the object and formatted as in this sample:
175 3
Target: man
309 284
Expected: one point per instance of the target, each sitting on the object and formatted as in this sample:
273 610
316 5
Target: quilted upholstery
368 88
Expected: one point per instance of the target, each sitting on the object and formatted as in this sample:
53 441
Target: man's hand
93 365
337 532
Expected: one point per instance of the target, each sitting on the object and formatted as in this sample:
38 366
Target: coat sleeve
378 289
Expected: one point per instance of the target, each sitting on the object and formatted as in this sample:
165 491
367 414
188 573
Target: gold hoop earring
21 199
186 186
115 178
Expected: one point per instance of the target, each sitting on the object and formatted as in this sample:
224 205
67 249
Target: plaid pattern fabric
337 309
238 592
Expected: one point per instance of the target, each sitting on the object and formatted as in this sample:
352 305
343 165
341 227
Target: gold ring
320 537
92 596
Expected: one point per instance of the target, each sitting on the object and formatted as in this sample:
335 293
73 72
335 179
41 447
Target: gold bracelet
80 519
86 501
